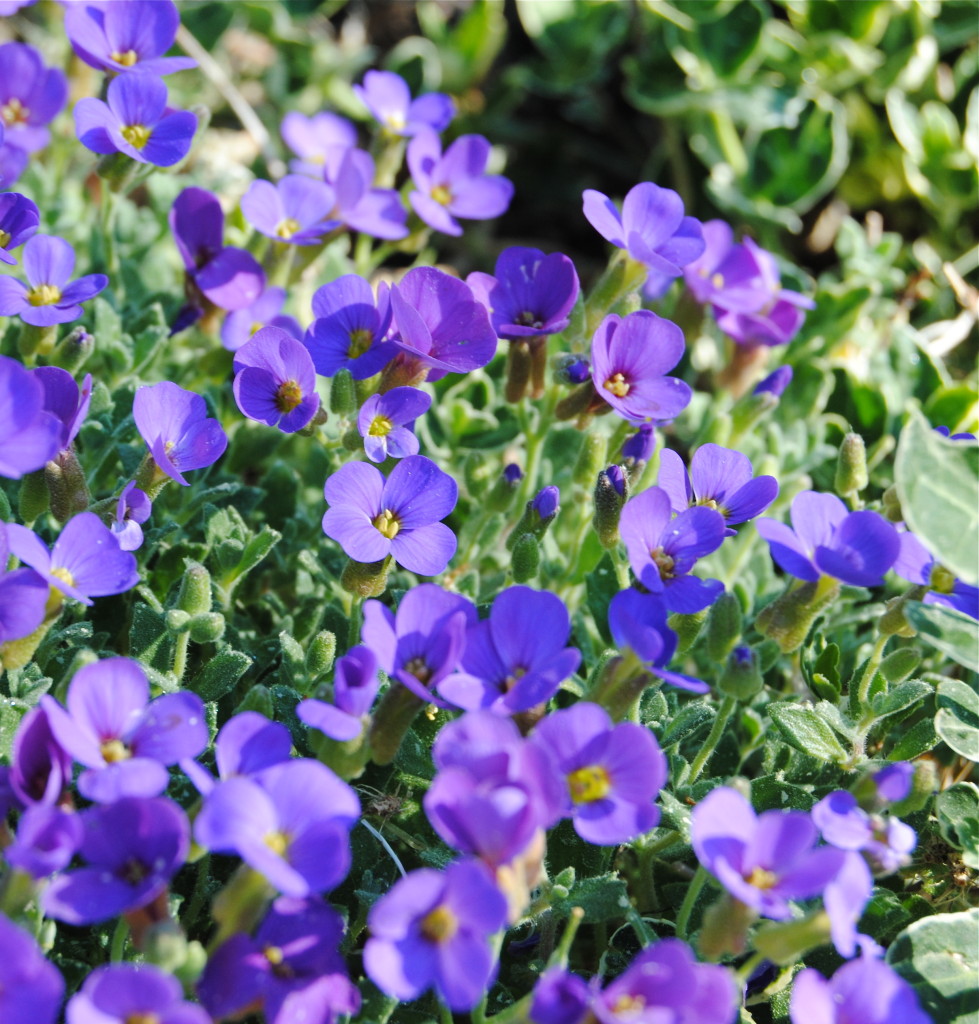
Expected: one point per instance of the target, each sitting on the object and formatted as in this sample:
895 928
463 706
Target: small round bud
259 699
851 467
72 351
366 579
177 621
741 678
194 596
321 653
207 627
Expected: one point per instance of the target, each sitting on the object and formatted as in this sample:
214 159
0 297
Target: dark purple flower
355 685
720 478
296 210
559 998
387 97
316 139
31 95
132 849
664 549
174 424
246 744
371 518
651 227
349 330
124 739
517 658
48 263
23 596
275 382
40 770
125 35
132 510
638 448
31 989
127 993
85 562
762 860
19 220
454 184
64 398
963 436
240 324
775 383
432 929
629 359
613 772
546 502
360 206
292 968
289 822
855 547
385 422
512 473
531 294
915 564
47 839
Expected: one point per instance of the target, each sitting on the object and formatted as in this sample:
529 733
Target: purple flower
132 510
289 822
175 425
863 991
355 685
638 448
385 422
241 324
136 121
23 596
47 839
432 929
651 227
124 739
371 518
13 162
440 324
886 841
48 263
638 623
40 771
132 847
246 744
775 383
291 968
517 658
421 644
275 382
844 899
726 274
125 35
296 210
227 277
629 358
762 860
559 998
19 220
360 206
64 398
316 139
855 547
387 97
893 782
454 184
720 478
531 294
915 564
31 95
85 562
31 989
125 993
663 549
349 330
963 436
613 772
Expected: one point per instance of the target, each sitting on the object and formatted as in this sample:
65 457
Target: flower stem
873 664
686 908
720 723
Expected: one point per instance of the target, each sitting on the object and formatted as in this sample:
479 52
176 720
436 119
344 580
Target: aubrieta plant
427 598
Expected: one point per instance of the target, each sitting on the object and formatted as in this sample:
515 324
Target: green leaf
949 631
802 726
919 739
939 956
899 698
602 898
691 718
938 484
601 585
957 809
220 674
957 720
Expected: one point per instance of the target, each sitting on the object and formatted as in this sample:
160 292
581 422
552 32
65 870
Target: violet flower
295 210
19 220
432 929
50 299
46 841
855 547
915 564
560 998
629 359
65 399
454 184
531 295
613 772
85 562
355 685
385 423
371 518
40 770
275 381
132 849
245 745
124 993
638 448
725 274
126 35
314 139
13 162
664 549
775 383
387 97
31 95
174 424
844 899
350 329
517 658
651 227
31 988
23 596
360 206
887 842
241 324
124 739
132 510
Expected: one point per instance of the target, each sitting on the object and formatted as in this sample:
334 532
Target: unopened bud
177 621
67 487
851 467
591 459
72 351
741 678
343 396
259 699
502 493
525 561
899 664
366 579
321 653
892 505
33 497
207 628
538 515
790 616
924 783
194 596
687 627
519 365
724 622
611 493
775 383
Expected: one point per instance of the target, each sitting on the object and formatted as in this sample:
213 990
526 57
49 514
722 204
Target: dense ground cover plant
407 612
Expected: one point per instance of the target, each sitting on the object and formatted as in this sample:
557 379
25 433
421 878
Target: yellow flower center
44 295
274 955
627 1006
717 280
256 326
418 667
618 385
64 575
442 194
142 1018
4 238
395 121
387 524
589 784
127 58
663 562
287 228
380 426
288 396
277 842
14 112
360 342
439 925
114 750
762 878
137 135
513 678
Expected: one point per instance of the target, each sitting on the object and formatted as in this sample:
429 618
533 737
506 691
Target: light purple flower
385 423
64 398
13 162
432 929
844 899
316 139
31 95
295 210
19 220
31 989
355 685
886 841
132 510
50 299
23 596
240 324
915 564
371 518
775 383
454 184
47 838
275 381
387 97
175 425
726 274
349 331
360 206
629 359
124 993
246 744
893 782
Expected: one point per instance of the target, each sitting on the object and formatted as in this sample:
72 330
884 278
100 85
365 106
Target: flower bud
67 487
790 616
741 678
259 699
73 350
343 397
775 383
366 579
177 621
923 784
892 505
538 515
591 458
899 664
687 628
207 627
851 467
519 365
501 495
33 497
611 493
570 369
525 561
321 653
724 623
194 596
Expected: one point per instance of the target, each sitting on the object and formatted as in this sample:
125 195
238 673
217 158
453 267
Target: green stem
119 937
720 723
445 1014
697 883
873 664
108 211
746 969
180 649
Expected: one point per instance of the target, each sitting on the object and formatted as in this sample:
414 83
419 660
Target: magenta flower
241 324
316 139
31 95
31 989
387 97
50 299
19 220
385 423
275 381
124 993
175 425
295 210
349 331
371 518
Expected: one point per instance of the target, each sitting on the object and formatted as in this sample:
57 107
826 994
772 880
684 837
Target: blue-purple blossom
240 324
23 596
295 210
915 564
893 782
387 97
47 838
775 383
246 744
355 685
13 162
432 929
454 184
132 510
844 899
65 399
385 423
31 988
40 770
124 993
638 448
317 139
560 998
275 381
887 842
48 264
31 95
546 503
349 331
19 220
360 206
371 518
